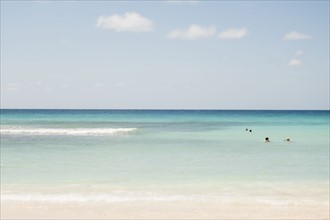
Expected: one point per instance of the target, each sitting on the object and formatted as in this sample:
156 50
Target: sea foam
154 197
67 131
71 197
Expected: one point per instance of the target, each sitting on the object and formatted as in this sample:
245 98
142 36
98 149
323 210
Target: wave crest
67 131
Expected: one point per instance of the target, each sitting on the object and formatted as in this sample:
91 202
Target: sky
165 54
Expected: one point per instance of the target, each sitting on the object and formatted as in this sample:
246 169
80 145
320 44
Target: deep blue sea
195 151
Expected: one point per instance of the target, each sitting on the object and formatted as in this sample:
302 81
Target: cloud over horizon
295 62
130 21
294 35
233 33
193 32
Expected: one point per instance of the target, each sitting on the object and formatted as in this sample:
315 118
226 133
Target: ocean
165 155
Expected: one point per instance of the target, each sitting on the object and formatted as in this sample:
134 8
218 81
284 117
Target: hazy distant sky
165 54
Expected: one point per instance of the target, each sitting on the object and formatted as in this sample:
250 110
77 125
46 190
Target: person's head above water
266 139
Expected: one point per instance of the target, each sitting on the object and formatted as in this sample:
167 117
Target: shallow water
46 154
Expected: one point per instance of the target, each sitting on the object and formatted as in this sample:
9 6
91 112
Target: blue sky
165 54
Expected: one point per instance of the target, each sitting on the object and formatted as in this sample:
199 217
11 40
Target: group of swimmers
267 140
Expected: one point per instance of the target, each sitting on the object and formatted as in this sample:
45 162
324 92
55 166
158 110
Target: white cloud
234 33
295 62
192 32
130 21
299 52
294 35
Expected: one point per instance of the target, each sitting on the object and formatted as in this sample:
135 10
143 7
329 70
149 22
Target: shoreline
161 210
223 203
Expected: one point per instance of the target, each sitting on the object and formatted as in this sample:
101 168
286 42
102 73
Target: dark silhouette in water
267 139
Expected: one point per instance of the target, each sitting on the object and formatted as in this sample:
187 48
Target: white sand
226 202
161 210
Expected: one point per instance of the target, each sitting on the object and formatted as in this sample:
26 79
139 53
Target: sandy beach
226 202
161 210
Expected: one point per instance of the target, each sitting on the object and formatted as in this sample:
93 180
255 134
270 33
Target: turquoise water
152 150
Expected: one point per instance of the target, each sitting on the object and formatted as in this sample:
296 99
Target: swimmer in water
287 140
267 139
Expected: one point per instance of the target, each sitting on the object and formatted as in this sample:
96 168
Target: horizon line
166 109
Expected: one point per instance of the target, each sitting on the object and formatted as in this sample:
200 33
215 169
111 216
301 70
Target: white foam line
85 198
67 131
135 197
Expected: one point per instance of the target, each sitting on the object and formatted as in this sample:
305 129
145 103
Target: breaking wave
67 131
